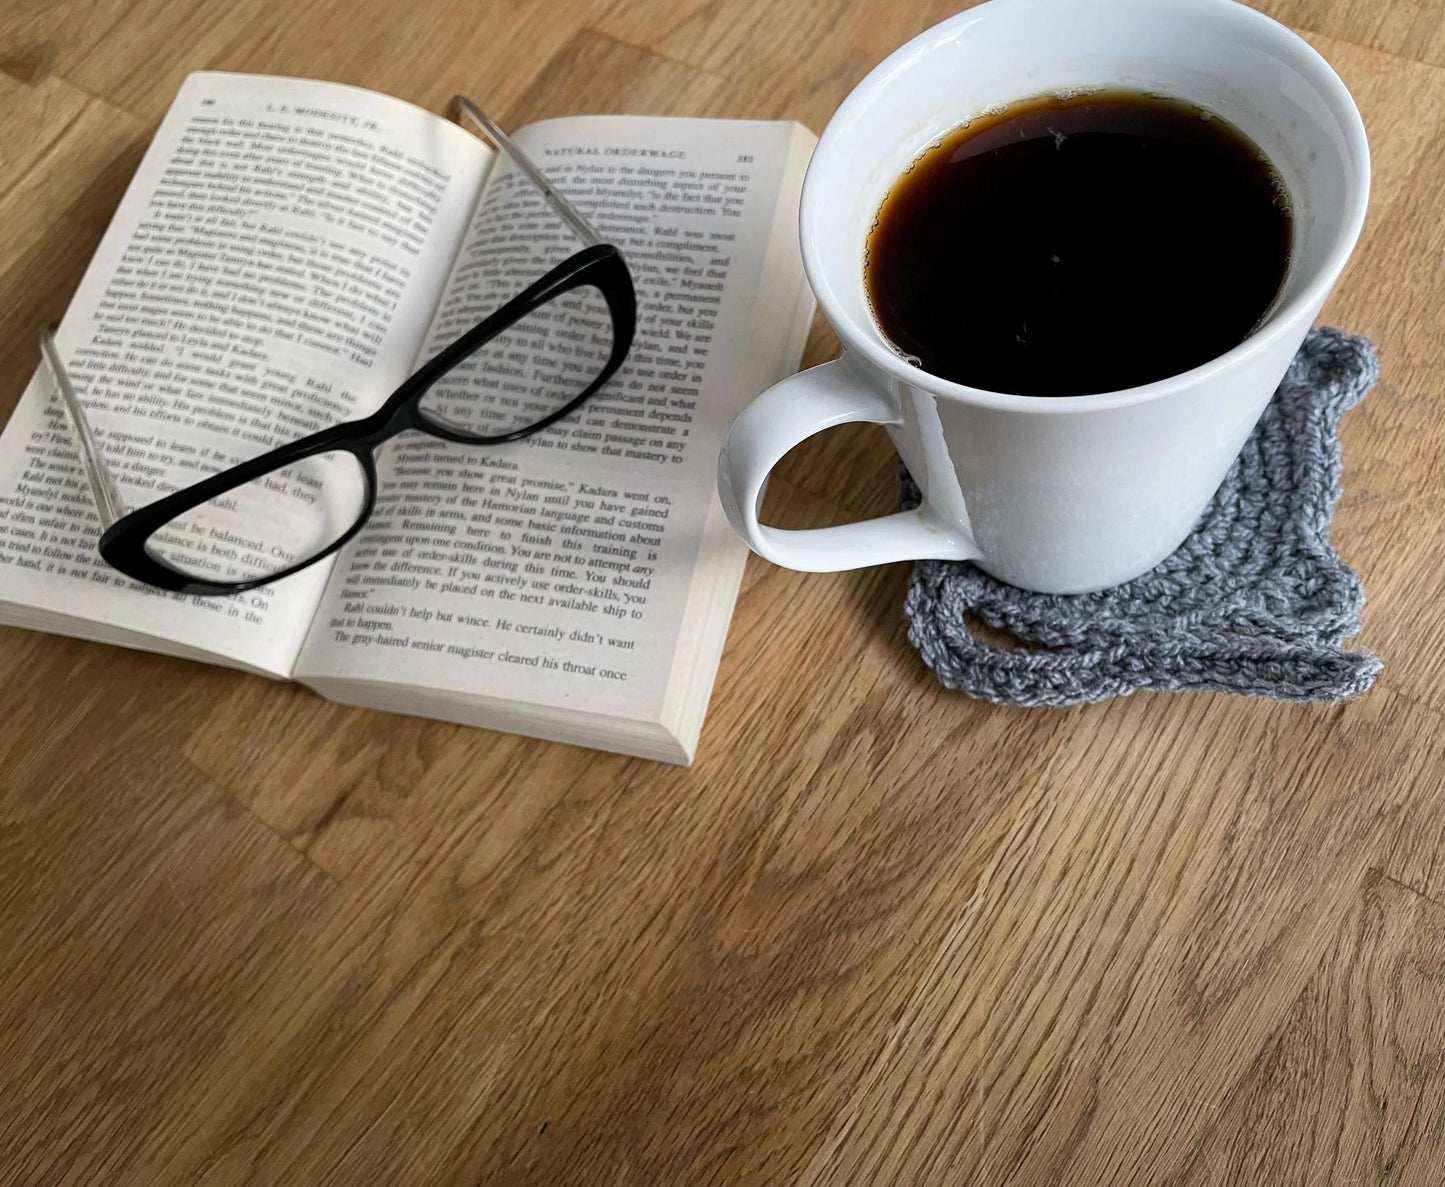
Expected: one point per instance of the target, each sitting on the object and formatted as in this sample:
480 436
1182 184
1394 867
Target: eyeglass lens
529 372
269 524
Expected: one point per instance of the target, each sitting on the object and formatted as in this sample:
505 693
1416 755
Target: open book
288 252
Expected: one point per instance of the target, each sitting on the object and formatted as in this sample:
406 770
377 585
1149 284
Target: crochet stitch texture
1255 601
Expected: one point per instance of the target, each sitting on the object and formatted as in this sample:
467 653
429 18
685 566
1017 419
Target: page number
745 159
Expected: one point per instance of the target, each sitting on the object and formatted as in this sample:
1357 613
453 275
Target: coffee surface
1070 246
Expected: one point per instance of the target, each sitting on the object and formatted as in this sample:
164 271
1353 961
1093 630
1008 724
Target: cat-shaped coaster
1255 601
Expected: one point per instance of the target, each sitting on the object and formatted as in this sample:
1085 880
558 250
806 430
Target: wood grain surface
879 934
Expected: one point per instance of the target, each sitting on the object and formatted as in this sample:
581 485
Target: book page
271 270
557 570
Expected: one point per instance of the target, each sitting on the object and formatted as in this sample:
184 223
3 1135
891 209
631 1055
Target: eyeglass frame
125 533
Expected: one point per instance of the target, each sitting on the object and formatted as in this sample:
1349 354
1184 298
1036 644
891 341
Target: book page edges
596 731
26 617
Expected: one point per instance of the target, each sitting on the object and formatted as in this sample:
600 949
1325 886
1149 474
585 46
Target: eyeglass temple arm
462 106
108 502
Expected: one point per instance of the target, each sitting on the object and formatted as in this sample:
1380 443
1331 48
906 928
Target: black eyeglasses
526 366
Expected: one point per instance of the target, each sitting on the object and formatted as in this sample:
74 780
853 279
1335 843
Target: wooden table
878 934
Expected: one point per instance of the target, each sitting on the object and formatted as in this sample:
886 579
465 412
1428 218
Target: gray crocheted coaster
1255 601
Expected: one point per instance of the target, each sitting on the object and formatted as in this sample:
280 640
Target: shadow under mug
1059 495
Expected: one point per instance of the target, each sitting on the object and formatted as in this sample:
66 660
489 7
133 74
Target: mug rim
868 340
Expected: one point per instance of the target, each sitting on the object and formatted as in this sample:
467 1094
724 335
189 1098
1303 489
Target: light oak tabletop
878 933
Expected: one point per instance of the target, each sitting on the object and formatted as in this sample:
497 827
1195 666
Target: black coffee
1071 246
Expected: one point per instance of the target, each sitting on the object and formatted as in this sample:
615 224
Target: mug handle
788 413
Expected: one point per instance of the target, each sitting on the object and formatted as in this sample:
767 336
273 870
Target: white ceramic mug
1061 495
